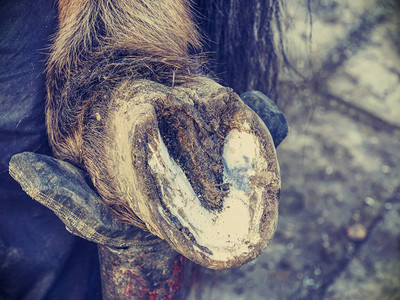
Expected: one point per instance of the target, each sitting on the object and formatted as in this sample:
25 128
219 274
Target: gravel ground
339 231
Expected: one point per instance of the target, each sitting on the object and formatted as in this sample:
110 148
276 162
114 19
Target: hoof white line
226 233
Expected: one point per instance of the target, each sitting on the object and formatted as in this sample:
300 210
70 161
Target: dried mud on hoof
192 164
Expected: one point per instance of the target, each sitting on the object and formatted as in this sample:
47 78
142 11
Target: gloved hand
64 188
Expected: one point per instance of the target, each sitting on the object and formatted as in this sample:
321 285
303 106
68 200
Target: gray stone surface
374 272
338 234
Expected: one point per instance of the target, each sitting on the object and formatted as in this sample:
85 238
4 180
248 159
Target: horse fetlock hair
100 43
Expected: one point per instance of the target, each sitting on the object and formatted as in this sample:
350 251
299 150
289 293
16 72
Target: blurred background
339 85
332 66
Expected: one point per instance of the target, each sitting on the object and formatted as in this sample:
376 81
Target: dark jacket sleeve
39 259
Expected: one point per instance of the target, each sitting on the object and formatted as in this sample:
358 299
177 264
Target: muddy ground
339 231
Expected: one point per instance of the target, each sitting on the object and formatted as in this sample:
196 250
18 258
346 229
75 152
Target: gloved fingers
269 112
